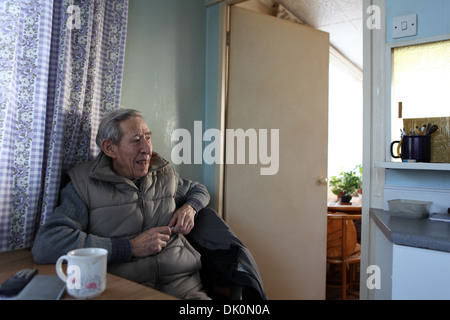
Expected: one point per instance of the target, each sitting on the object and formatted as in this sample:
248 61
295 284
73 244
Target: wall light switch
405 26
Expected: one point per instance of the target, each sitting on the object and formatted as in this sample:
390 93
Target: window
345 116
420 82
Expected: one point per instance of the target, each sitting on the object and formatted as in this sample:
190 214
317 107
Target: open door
278 79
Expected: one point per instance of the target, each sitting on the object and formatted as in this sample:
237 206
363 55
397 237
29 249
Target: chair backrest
341 234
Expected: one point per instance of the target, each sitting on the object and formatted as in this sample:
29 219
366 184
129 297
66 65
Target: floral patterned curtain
61 66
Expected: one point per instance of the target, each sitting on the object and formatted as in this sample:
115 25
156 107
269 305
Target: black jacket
226 262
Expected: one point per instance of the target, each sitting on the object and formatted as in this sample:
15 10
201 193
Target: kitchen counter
412 255
419 233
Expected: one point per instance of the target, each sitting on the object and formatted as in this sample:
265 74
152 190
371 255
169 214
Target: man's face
131 158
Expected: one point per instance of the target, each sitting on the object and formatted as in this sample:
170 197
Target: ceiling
342 19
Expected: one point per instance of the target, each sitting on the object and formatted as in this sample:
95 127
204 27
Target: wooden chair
343 248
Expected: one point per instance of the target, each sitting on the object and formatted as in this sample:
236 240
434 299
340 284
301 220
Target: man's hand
183 220
150 242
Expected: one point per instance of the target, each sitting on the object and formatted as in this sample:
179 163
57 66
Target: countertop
420 233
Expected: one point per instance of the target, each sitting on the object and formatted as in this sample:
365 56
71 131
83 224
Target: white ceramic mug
86 272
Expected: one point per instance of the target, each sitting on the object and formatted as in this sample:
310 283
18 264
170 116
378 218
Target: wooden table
117 288
353 208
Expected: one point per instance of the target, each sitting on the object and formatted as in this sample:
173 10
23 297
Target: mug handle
59 269
398 149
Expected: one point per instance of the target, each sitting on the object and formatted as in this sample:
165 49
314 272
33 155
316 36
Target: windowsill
414 166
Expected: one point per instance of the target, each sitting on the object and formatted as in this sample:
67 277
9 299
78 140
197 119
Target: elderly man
131 202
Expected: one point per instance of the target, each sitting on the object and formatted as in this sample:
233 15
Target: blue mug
413 148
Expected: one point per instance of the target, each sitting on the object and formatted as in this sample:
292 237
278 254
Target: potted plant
346 184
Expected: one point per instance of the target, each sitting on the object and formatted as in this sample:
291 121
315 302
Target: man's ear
109 148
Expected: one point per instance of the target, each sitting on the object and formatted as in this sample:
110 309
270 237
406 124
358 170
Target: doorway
344 100
278 81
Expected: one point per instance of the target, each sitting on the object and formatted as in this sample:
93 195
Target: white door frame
374 130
